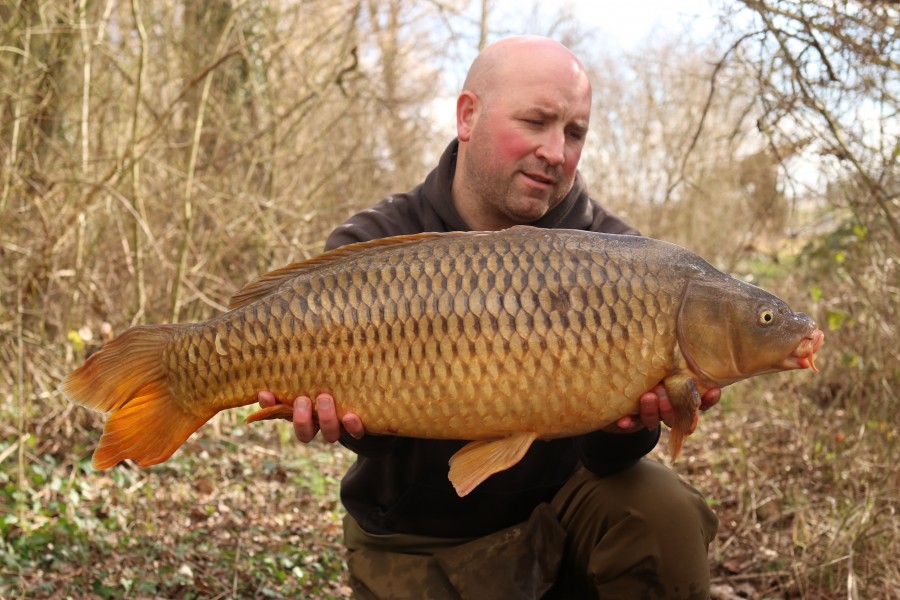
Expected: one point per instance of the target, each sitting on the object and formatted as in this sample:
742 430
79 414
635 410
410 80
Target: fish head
730 330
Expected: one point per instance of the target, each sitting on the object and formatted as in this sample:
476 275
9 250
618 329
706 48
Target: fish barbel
497 337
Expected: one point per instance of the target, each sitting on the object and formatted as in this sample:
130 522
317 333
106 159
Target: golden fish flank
501 337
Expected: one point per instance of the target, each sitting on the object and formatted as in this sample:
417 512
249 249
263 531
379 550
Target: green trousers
642 533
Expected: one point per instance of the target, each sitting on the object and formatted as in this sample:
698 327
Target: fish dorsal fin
272 280
476 461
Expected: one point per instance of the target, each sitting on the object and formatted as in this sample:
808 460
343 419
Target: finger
649 407
266 398
329 424
353 424
710 398
666 410
625 424
304 425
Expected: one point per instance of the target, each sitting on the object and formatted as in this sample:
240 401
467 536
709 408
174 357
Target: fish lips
803 356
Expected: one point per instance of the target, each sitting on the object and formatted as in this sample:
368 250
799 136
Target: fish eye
766 316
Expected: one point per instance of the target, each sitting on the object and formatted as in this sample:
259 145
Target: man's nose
552 147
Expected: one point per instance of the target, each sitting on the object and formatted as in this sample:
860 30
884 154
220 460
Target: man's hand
655 407
308 421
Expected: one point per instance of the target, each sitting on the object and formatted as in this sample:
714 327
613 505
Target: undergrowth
227 517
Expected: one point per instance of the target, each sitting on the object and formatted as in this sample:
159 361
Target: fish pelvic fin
478 460
276 411
127 380
685 398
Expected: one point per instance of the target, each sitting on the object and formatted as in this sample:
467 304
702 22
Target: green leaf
102 590
816 293
850 360
835 319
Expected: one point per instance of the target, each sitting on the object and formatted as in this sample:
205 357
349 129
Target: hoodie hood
576 211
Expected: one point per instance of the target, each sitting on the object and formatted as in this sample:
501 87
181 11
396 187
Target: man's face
526 141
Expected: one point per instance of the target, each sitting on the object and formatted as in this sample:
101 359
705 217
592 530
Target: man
577 517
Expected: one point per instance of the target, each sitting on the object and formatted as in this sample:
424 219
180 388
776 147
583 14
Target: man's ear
467 109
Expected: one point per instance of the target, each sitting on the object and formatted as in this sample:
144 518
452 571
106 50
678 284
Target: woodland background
155 155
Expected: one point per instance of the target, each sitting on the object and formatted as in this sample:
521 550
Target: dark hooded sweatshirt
399 484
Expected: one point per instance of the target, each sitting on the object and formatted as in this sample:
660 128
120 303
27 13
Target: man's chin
528 209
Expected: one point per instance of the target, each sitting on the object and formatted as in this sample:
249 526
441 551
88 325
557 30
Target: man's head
521 120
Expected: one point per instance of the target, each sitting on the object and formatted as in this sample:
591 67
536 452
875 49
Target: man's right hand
308 421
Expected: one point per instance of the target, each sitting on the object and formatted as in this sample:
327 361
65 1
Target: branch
812 102
706 107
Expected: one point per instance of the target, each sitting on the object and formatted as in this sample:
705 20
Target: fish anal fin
685 398
478 460
272 280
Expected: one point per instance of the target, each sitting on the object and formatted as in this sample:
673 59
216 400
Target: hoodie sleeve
605 453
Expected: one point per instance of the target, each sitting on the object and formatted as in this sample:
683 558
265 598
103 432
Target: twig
706 107
13 157
875 189
20 389
188 207
13 447
140 289
236 568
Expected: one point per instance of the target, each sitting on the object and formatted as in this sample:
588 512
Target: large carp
497 337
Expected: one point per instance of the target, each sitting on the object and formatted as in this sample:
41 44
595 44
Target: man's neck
473 214
470 206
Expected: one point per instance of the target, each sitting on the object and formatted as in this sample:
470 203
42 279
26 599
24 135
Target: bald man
581 517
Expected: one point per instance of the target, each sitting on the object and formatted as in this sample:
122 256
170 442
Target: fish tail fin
685 400
127 380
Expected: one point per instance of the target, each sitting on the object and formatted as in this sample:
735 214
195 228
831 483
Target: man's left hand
656 408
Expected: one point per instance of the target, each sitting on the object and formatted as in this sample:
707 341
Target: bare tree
652 158
829 72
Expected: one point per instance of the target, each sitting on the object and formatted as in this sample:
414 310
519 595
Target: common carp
497 337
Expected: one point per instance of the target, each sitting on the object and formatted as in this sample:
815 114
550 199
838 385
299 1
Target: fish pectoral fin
685 398
478 460
277 411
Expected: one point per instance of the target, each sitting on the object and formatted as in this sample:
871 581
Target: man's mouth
539 178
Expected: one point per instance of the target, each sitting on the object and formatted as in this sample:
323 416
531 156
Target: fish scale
502 337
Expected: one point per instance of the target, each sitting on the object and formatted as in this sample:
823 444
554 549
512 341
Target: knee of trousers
642 519
648 491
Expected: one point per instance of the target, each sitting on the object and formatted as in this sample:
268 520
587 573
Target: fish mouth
803 356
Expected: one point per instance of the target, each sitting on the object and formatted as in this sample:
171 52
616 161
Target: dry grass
807 497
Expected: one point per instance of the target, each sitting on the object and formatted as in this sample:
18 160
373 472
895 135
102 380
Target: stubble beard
501 199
